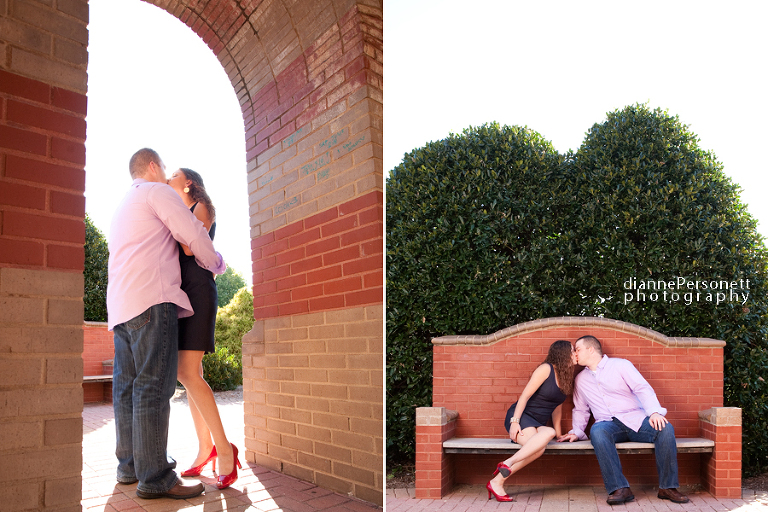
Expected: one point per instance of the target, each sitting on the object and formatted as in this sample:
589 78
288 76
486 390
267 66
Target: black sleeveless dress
539 408
196 331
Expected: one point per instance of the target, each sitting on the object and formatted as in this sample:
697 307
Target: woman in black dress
196 339
541 399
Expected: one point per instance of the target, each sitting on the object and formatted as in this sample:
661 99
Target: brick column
722 473
434 469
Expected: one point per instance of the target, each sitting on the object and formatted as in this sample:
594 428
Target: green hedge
493 227
95 274
223 370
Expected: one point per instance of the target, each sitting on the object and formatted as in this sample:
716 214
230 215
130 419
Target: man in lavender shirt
625 408
144 302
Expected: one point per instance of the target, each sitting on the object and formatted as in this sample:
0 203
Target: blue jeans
144 380
604 436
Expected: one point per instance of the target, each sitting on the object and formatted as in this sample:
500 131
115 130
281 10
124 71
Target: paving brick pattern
257 489
466 498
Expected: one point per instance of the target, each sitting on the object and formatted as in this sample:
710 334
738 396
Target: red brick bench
462 437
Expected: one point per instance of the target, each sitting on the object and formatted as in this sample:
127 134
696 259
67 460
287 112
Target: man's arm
642 390
579 415
185 227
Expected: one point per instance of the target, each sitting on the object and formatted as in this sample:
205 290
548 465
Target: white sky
554 66
152 82
559 66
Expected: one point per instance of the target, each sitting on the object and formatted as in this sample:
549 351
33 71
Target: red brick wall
723 469
330 260
42 176
98 346
481 381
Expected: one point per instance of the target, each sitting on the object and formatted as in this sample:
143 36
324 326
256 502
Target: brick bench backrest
98 346
481 376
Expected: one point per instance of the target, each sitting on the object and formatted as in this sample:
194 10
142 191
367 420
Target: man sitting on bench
625 408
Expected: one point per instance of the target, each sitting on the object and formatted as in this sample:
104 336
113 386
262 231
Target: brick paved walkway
257 489
567 499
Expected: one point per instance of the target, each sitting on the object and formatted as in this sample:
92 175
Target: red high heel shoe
225 481
196 470
498 497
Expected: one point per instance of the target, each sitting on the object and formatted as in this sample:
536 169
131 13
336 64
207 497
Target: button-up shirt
615 390
143 254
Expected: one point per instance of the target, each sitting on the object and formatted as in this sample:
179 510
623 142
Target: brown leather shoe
673 495
177 492
620 496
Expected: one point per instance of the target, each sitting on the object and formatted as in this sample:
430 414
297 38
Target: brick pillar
722 473
434 469
43 82
312 365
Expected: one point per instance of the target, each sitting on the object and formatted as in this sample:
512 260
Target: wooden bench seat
505 447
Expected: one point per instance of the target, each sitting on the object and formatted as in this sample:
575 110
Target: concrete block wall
42 156
481 376
313 398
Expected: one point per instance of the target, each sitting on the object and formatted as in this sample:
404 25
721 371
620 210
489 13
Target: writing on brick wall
291 139
333 139
315 165
285 206
349 146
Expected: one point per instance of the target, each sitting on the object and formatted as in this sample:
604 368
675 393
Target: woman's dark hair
197 191
559 356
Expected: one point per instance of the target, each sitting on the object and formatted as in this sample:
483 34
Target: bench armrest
435 416
722 416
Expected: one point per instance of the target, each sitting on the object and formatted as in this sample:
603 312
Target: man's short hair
140 161
591 341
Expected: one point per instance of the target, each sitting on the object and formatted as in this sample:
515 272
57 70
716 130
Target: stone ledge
434 416
577 321
722 416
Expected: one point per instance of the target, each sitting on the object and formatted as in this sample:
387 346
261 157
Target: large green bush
492 227
95 273
223 370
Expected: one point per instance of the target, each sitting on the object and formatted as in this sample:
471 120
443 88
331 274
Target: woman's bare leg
533 441
205 412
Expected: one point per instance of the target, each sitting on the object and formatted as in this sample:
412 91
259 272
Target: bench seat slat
97 378
504 446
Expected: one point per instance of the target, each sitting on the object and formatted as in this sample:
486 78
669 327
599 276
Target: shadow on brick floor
256 489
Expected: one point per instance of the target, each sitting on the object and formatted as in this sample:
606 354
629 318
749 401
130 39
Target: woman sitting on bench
527 418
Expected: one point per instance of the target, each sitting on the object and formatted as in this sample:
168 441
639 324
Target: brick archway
308 75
